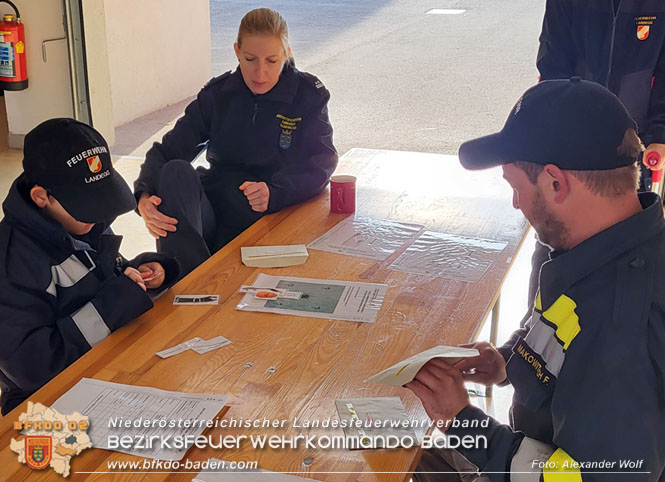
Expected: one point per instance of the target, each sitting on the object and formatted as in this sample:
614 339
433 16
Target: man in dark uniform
619 44
588 366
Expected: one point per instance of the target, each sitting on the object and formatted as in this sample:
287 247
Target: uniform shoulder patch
217 80
315 82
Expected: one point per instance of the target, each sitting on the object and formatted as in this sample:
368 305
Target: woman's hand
158 224
258 195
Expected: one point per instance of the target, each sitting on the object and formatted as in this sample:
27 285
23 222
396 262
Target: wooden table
284 367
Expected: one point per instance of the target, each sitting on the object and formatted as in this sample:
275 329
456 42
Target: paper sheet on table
380 417
273 256
366 237
449 256
331 299
105 401
404 371
219 472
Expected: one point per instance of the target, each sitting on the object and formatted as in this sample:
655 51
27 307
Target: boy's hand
152 274
257 194
135 276
158 224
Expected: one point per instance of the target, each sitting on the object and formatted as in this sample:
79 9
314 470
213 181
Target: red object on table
342 194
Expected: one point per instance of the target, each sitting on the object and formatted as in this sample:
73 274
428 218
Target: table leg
494 333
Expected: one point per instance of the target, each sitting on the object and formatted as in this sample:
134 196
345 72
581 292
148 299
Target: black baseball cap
573 124
72 161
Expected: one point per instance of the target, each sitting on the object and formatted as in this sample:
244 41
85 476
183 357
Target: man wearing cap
619 44
588 367
63 285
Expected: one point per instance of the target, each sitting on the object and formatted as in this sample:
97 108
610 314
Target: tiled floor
135 138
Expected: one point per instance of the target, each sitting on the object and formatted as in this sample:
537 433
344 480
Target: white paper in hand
404 371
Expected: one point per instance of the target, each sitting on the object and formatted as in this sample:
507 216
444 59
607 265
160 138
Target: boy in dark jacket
63 285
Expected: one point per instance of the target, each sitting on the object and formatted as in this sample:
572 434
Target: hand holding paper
441 389
404 371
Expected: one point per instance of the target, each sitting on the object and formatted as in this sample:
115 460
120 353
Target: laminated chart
449 256
366 237
332 299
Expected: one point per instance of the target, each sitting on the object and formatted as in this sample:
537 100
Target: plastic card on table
372 420
366 237
449 256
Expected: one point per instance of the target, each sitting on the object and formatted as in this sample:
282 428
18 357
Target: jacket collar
566 268
284 91
25 216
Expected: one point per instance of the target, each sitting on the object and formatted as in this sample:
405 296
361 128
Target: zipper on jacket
614 29
256 108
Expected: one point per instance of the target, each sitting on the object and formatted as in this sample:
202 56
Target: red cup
342 194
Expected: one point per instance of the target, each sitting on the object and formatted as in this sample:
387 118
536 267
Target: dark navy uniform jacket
588 368
621 49
283 137
59 295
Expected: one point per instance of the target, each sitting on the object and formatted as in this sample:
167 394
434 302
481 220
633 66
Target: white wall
49 92
159 53
99 73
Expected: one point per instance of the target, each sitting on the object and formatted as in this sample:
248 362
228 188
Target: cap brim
103 203
484 152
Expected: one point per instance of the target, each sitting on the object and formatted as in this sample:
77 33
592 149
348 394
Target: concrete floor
399 79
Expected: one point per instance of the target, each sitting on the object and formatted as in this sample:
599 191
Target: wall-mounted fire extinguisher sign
13 68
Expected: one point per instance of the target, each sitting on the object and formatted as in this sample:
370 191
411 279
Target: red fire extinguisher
13 68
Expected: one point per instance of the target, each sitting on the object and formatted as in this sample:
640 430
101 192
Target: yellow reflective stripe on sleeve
562 314
539 304
561 467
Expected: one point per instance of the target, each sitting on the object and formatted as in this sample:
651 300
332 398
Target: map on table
332 299
366 237
449 256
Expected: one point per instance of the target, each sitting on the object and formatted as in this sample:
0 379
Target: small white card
371 420
205 346
199 345
196 300
273 256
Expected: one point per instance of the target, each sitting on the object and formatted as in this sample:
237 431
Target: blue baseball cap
574 124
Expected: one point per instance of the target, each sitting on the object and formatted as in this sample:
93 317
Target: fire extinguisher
13 68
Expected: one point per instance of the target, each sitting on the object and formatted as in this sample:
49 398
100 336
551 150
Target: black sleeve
37 343
308 177
655 131
556 54
184 142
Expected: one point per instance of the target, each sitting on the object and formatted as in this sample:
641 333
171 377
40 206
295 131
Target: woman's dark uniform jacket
283 138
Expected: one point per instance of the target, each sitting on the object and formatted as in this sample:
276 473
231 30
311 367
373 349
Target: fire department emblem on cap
94 164
643 32
38 451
